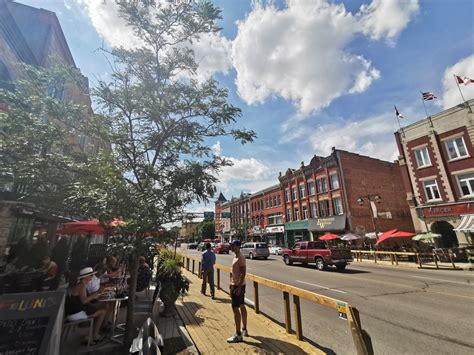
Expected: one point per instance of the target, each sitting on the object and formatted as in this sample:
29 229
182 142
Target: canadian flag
464 80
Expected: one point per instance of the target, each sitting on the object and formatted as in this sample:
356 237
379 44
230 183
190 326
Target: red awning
394 234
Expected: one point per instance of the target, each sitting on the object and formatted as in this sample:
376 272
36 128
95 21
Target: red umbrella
207 240
87 227
396 234
329 236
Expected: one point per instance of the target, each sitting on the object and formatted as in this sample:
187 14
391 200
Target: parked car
255 250
201 246
193 245
319 253
221 248
275 249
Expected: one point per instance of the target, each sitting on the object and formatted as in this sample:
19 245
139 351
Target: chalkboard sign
30 323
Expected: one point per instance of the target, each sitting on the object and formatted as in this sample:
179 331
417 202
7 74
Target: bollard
218 279
396 259
192 271
297 310
435 260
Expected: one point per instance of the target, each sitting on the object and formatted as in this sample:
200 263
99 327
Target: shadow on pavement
292 349
312 342
189 306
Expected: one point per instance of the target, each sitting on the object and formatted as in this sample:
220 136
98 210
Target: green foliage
208 230
170 271
36 162
241 230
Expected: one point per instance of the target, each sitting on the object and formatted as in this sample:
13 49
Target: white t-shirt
94 285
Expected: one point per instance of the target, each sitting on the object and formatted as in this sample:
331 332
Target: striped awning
467 224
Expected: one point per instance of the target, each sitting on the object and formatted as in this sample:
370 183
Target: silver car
255 250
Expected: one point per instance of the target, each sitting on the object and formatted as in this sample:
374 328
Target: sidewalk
211 322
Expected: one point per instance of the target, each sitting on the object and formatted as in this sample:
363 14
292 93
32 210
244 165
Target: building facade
34 36
437 161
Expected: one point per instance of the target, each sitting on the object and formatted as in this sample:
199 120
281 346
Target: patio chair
70 325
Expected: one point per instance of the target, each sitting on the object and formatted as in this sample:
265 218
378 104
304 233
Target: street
405 310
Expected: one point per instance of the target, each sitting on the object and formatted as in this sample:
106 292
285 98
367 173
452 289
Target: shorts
90 308
238 300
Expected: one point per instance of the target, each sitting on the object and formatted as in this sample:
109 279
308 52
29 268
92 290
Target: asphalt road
405 311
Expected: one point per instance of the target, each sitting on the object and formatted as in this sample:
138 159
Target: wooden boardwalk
210 322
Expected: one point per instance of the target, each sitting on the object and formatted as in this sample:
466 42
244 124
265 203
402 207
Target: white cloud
212 51
371 137
451 95
299 52
387 18
216 149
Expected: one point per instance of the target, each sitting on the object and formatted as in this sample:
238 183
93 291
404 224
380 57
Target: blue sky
309 74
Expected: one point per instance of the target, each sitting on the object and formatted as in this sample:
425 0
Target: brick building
324 196
437 161
34 36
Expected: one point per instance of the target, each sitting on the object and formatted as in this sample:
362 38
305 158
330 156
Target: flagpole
424 106
462 96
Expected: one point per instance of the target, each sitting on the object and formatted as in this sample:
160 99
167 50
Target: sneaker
236 338
245 333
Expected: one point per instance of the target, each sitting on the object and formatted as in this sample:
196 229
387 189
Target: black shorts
238 300
90 308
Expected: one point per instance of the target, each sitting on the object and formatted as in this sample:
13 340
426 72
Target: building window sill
424 167
467 197
459 158
434 201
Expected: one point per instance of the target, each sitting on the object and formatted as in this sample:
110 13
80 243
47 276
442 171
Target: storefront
455 223
275 235
296 231
321 226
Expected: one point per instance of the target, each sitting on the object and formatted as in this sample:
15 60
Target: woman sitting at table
113 268
79 302
94 286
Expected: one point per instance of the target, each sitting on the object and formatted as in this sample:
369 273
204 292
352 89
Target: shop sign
277 229
448 210
296 225
335 223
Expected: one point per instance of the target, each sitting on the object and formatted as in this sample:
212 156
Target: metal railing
396 257
360 337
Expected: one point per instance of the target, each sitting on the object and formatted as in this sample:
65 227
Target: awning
467 224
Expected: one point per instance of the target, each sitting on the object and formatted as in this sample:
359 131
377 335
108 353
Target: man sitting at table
144 274
49 271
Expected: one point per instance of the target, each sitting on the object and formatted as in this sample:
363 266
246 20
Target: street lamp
371 198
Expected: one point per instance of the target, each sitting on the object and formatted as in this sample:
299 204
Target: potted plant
172 282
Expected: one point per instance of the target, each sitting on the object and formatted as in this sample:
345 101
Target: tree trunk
129 328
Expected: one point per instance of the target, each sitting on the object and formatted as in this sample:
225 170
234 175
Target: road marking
320 286
430 278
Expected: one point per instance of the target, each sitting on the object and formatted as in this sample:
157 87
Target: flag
397 113
427 96
464 80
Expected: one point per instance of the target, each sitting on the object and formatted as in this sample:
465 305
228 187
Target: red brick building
331 194
437 161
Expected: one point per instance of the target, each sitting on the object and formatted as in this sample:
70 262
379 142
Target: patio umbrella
207 240
87 227
372 235
350 236
396 234
425 236
329 236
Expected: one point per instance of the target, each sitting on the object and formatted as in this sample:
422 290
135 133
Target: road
405 310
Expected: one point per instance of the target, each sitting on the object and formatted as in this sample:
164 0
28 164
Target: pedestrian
207 269
237 293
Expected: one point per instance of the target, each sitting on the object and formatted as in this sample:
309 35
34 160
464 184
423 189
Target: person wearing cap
79 302
207 269
237 293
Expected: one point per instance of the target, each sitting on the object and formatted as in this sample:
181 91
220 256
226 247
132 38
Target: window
314 211
456 148
270 202
466 182
304 212
324 208
274 201
288 215
302 191
431 189
279 200
293 193
266 203
334 181
311 188
297 214
322 185
275 219
337 202
287 195
303 246
422 157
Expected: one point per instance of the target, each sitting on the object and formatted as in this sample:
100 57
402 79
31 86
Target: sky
308 75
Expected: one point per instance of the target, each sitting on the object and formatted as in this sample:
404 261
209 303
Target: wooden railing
360 337
395 257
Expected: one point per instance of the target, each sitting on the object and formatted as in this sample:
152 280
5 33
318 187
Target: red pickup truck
319 253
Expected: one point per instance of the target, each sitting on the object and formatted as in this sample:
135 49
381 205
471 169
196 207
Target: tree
241 230
37 163
207 230
160 121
